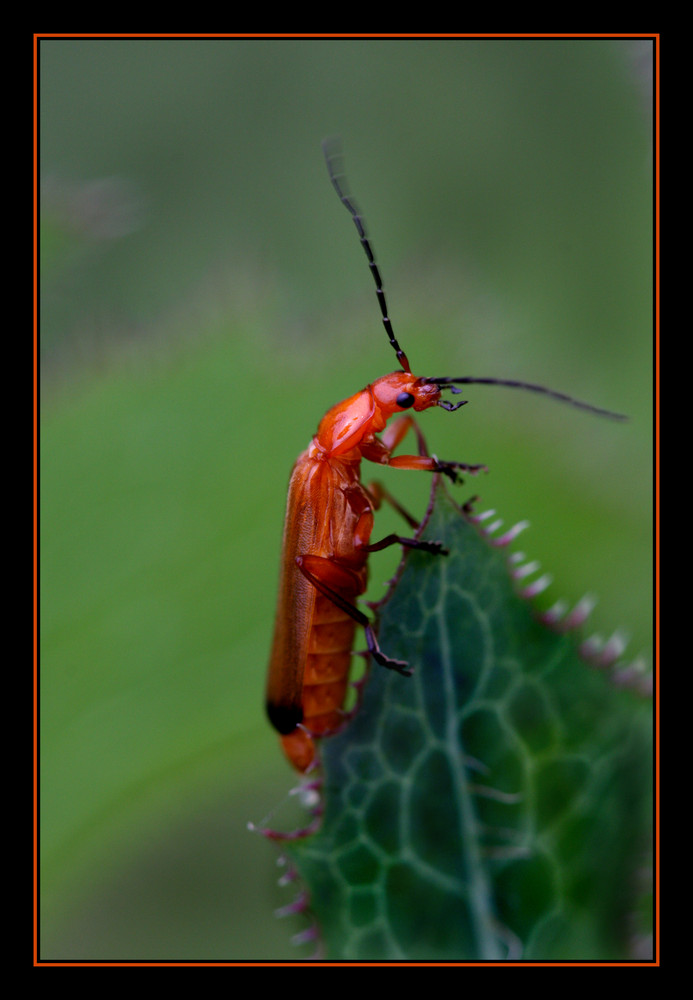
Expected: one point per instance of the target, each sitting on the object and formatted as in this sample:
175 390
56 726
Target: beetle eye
405 400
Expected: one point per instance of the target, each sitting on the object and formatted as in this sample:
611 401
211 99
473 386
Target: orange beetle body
328 525
327 530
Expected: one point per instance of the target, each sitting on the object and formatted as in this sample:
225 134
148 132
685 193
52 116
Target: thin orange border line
35 501
354 35
657 500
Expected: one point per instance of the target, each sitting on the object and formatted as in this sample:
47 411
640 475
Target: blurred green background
203 301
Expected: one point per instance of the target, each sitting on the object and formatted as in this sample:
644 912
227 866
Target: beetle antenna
529 387
332 150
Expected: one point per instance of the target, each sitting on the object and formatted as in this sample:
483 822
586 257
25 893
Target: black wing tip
284 717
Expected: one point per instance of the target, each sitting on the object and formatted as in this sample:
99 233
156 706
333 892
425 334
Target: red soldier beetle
328 525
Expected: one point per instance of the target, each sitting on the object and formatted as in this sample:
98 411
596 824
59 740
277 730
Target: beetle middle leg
379 494
363 501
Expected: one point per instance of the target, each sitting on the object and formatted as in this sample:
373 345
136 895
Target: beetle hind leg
312 567
400 666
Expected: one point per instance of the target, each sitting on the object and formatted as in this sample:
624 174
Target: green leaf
494 805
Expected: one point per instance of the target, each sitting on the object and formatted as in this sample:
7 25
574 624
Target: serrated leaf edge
595 651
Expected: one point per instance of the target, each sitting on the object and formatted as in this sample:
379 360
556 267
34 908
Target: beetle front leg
395 432
449 469
379 450
429 463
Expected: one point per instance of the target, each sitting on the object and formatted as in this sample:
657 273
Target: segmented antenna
529 387
332 151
